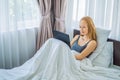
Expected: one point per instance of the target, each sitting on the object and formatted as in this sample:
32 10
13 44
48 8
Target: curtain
59 11
45 29
115 33
18 19
106 15
75 11
53 18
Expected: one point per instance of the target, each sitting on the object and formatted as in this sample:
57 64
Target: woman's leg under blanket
49 62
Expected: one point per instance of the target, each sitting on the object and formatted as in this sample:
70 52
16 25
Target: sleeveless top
77 47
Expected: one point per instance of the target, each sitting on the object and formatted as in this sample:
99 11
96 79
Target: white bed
58 63
55 61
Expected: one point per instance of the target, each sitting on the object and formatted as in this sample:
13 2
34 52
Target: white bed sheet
55 61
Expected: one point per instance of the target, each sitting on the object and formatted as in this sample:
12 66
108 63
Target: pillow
105 57
102 36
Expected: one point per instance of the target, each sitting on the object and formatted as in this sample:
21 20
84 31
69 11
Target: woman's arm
73 40
89 49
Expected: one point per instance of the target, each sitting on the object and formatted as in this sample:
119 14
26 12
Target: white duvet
55 61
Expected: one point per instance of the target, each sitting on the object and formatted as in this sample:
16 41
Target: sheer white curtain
18 19
105 14
75 11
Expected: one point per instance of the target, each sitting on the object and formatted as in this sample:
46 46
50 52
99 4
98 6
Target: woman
85 43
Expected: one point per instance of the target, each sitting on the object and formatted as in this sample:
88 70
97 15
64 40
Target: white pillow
105 57
102 36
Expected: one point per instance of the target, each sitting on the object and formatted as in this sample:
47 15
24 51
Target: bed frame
116 49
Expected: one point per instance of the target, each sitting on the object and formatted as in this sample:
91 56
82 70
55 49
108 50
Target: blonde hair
91 27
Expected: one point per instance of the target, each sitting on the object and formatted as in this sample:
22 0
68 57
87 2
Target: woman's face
83 28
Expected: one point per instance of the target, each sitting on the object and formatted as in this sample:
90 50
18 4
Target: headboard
116 48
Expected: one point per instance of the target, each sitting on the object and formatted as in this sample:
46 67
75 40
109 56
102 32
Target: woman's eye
84 27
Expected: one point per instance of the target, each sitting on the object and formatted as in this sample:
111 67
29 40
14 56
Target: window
18 14
78 12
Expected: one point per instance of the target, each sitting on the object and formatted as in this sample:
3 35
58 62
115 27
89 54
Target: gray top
77 47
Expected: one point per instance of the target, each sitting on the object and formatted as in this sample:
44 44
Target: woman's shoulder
92 42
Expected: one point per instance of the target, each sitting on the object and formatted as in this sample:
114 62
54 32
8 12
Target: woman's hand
87 51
